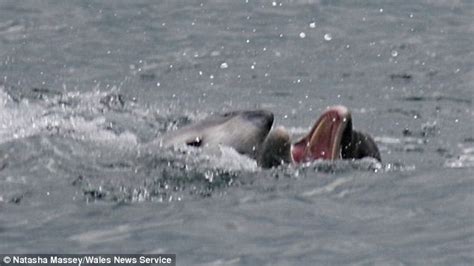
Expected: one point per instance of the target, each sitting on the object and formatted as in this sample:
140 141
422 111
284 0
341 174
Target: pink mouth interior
323 141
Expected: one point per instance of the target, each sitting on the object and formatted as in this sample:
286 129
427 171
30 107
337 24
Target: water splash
464 160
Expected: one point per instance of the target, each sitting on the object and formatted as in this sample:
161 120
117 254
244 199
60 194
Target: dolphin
250 133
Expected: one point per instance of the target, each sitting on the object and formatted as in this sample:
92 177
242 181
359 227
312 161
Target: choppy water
86 86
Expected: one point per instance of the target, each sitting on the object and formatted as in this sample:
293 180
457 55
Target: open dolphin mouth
324 139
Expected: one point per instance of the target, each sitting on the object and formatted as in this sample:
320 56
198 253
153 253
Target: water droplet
158 84
381 10
312 25
274 3
224 65
394 53
411 15
302 35
327 37
297 173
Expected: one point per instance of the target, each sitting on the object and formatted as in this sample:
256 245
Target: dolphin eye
228 114
197 142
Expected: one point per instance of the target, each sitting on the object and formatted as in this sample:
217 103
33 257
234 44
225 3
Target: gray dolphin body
250 133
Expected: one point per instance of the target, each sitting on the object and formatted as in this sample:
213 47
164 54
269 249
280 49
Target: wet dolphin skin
250 133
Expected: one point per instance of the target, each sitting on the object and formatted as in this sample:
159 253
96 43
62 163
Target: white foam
327 188
220 157
17 120
464 160
230 159
25 118
387 140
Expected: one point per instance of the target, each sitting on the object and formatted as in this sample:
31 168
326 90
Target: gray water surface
87 87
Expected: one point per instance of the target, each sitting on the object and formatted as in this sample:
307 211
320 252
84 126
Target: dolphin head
245 131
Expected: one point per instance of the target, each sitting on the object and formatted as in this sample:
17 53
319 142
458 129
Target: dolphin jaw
324 139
